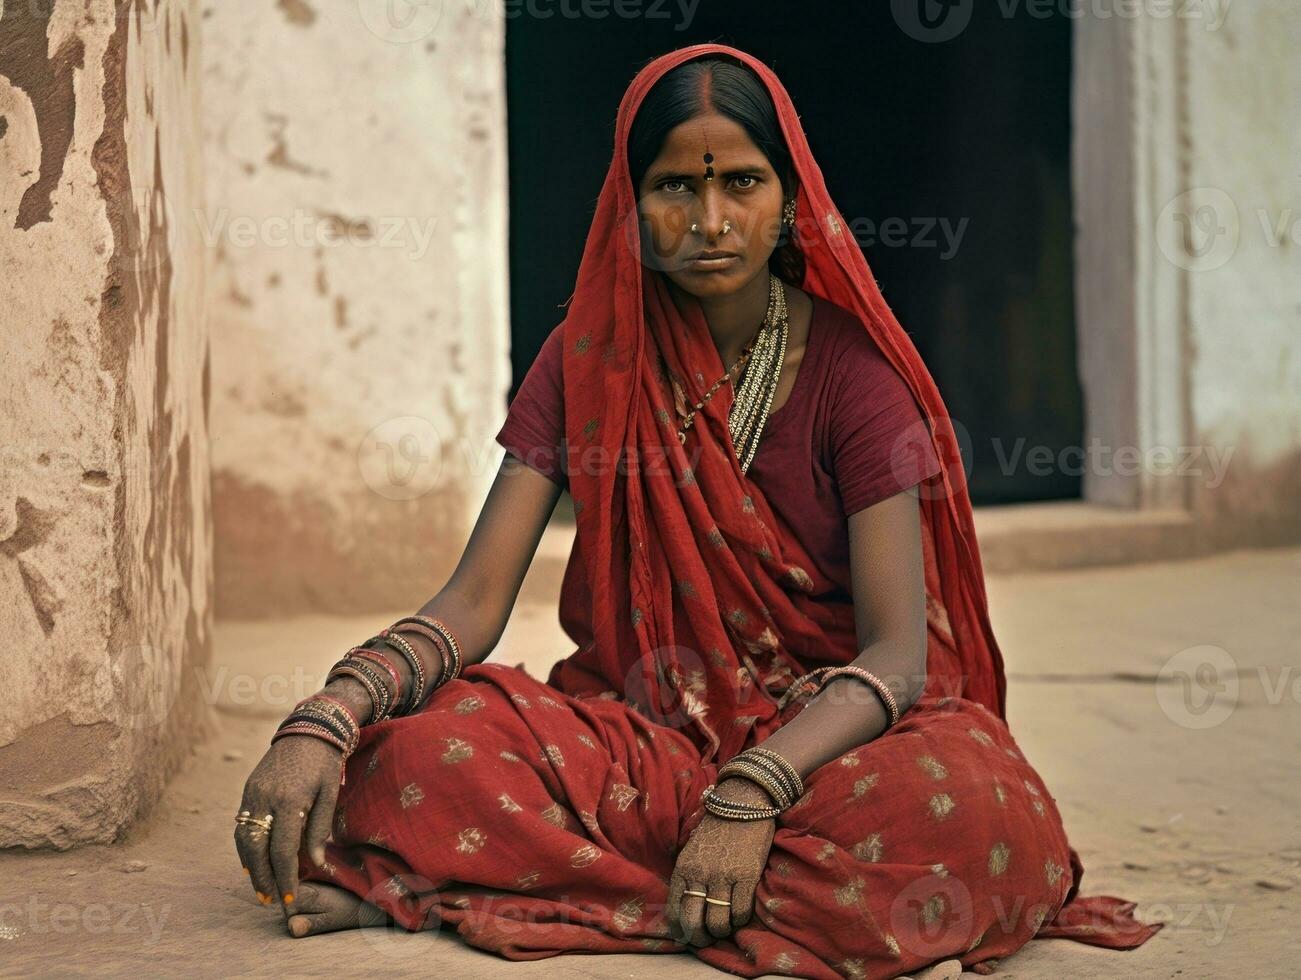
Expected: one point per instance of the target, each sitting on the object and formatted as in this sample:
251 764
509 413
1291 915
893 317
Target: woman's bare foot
328 908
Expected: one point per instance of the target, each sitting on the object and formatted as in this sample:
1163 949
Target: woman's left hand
725 859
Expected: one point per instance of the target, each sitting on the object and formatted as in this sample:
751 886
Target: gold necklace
750 407
754 397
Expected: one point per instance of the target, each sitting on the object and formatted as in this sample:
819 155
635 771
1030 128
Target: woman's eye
669 184
746 177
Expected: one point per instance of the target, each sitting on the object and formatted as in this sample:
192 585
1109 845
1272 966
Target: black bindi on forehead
709 159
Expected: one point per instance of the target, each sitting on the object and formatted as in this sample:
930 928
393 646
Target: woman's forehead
723 137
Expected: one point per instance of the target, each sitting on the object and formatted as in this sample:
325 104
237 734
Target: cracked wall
356 244
105 538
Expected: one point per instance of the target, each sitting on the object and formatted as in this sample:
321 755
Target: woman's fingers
691 915
673 907
320 820
252 841
718 917
286 836
743 902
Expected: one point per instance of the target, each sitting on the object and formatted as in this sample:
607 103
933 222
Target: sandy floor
1187 802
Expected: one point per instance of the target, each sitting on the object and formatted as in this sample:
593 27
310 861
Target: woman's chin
711 283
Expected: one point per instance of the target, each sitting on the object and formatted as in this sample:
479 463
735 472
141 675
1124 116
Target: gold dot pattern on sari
999 855
861 786
470 840
851 892
869 849
845 856
932 909
941 805
458 750
1053 871
468 705
932 766
628 913
555 815
552 754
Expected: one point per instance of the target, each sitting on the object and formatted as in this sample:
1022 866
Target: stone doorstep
1057 534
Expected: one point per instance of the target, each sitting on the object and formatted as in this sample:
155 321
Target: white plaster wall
356 228
105 549
1244 85
1189 292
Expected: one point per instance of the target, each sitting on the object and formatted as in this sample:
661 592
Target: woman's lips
713 264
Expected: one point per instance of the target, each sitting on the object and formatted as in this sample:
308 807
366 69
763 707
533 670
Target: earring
695 228
788 212
727 226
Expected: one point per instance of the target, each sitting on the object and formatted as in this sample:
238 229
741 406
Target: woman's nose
714 223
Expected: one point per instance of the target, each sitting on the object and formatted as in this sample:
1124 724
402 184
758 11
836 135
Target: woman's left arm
889 591
724 858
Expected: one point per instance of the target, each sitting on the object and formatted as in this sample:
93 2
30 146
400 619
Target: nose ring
727 226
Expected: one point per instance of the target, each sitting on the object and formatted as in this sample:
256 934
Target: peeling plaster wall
105 541
356 241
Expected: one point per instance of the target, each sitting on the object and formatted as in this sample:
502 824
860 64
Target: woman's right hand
297 784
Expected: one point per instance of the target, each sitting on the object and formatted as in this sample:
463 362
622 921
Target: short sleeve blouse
849 436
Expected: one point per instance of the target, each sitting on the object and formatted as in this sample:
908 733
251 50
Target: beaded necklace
762 360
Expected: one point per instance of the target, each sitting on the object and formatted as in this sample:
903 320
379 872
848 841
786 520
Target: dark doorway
951 160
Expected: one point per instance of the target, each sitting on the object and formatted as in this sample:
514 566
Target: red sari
543 818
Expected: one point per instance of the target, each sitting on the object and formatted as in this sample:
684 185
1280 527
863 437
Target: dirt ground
1177 780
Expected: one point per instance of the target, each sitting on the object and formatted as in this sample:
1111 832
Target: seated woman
780 742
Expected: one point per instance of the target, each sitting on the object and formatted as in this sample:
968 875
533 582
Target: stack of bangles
815 680
325 717
373 666
772 772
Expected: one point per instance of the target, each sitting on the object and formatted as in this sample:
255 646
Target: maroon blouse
840 442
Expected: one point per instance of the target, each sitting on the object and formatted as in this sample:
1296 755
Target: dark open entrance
951 160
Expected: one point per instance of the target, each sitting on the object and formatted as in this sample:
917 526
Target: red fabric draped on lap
681 556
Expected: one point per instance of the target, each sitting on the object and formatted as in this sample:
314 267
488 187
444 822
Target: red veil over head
689 600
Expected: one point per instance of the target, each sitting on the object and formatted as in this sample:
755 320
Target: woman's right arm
477 600
297 780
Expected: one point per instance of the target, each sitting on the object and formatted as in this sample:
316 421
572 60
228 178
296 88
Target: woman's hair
730 88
